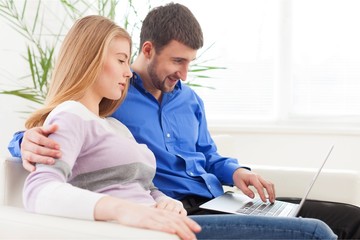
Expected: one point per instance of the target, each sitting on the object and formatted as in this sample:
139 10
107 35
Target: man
167 116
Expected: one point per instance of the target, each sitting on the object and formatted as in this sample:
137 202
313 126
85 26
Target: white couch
16 223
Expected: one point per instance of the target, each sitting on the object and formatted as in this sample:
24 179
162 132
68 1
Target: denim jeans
231 226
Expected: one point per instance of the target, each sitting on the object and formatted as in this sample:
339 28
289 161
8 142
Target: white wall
12 66
292 148
300 148
14 110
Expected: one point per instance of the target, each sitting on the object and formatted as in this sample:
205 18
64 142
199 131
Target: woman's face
116 70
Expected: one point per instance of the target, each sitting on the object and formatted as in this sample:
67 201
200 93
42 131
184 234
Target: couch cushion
16 223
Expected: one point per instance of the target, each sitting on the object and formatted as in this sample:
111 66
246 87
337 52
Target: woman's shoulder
73 108
70 106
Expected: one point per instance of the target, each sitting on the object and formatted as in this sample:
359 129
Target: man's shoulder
189 92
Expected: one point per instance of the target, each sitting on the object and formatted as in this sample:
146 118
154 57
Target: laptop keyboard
258 207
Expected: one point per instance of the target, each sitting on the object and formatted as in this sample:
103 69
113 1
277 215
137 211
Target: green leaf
29 23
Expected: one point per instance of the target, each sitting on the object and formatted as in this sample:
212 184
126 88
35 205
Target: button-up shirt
176 131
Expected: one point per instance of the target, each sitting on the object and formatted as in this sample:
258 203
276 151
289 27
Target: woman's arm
58 198
124 212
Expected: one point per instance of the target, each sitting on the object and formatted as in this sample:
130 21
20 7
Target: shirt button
168 135
209 186
191 173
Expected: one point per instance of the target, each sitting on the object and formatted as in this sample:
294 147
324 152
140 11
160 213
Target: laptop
239 203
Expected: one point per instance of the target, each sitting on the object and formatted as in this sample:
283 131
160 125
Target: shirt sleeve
222 167
14 145
45 193
46 190
156 193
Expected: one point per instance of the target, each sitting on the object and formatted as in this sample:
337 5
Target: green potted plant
42 40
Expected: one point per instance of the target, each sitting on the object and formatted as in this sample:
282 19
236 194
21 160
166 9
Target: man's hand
36 147
244 178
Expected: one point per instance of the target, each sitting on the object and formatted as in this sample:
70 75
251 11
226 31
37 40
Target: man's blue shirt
14 145
176 131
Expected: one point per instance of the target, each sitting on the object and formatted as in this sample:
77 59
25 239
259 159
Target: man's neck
138 67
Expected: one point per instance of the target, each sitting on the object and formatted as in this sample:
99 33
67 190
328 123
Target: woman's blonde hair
79 64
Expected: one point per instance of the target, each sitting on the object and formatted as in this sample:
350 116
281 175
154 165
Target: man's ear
148 49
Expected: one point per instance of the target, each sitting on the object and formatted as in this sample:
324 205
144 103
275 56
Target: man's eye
121 61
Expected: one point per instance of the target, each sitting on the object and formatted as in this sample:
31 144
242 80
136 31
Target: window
244 37
286 61
326 59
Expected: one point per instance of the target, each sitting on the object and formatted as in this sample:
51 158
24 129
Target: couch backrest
13 176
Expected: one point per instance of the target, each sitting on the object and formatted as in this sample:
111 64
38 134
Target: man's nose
184 72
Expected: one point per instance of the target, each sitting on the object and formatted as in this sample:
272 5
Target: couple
102 172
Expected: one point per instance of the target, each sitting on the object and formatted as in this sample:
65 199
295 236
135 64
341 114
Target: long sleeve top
99 157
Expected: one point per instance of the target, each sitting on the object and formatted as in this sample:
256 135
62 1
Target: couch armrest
16 223
13 176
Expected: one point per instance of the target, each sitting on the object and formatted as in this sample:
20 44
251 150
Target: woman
104 174
103 171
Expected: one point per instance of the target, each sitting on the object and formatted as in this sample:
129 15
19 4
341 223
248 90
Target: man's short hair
172 21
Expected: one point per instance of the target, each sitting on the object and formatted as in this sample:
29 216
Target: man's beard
156 81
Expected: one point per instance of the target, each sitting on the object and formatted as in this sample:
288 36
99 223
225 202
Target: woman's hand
171 205
136 215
